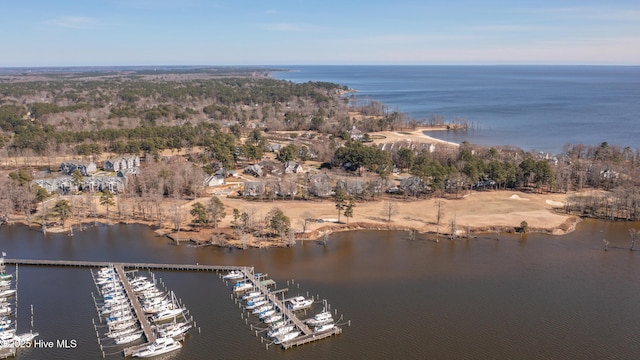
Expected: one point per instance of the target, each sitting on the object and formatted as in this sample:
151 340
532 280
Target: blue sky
247 32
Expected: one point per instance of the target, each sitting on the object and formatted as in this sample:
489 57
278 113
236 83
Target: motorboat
320 318
324 327
158 347
280 331
299 303
125 339
287 337
167 314
175 330
5 310
234 275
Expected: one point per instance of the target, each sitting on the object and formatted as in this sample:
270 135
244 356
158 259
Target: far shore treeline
216 121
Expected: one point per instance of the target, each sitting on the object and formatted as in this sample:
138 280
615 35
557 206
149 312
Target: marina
282 311
10 342
133 308
251 286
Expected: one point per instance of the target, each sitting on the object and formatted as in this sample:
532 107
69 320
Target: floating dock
135 304
308 335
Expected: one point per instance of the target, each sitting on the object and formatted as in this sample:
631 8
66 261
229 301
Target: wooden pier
135 304
98 264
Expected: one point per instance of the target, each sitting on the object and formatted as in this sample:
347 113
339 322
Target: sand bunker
554 203
516 197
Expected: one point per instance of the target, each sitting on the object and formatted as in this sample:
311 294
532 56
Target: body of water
537 297
532 107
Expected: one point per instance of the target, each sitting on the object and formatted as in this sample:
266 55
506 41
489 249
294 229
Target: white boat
262 308
299 303
167 314
5 283
266 314
119 333
252 305
175 330
255 300
124 317
5 277
25 338
158 307
234 275
158 347
251 295
5 310
287 337
121 325
272 319
125 339
143 286
7 293
242 286
324 327
321 318
7 334
280 331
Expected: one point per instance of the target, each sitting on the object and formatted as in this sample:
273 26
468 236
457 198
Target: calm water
533 107
533 298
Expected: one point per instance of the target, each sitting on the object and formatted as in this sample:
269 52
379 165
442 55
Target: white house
214 180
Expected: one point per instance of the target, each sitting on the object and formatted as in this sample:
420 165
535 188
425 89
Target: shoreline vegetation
361 166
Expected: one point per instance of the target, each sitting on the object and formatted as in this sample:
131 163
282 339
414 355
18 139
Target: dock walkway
142 319
96 264
278 303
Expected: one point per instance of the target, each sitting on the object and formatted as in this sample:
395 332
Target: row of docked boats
162 312
8 337
278 317
115 309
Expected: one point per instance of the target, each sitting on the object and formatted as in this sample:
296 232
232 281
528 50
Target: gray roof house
292 167
320 185
86 167
254 170
121 163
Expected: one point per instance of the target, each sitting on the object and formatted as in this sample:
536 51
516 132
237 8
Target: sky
307 32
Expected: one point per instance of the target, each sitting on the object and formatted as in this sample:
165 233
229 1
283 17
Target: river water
530 298
532 107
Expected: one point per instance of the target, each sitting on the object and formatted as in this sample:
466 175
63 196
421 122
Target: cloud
73 22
